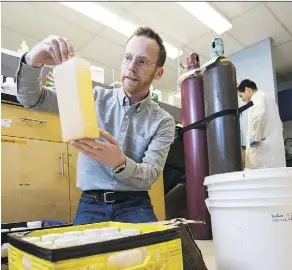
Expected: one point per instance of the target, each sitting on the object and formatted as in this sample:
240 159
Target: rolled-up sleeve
30 92
259 120
143 175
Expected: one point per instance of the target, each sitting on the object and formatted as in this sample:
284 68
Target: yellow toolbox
159 247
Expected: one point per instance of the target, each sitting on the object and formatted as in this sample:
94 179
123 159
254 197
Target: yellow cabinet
156 194
24 123
35 180
75 193
39 170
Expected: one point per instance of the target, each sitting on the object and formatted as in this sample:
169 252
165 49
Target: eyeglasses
141 62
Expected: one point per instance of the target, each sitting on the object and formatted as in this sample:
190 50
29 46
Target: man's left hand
105 153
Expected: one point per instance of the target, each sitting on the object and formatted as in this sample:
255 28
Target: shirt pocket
135 147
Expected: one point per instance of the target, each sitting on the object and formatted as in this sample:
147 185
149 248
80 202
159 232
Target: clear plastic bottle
32 239
34 224
72 234
109 229
125 259
4 250
9 86
88 239
130 232
112 236
23 48
75 100
92 231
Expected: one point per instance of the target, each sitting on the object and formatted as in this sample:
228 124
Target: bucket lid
260 174
255 202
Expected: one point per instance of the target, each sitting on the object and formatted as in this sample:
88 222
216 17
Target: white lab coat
264 123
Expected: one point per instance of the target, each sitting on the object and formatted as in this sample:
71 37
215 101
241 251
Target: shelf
10 99
9 66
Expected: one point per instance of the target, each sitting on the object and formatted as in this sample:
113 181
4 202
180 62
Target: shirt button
127 116
138 110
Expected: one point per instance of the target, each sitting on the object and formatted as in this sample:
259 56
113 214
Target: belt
115 196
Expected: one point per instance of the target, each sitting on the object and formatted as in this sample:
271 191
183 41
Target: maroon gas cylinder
195 150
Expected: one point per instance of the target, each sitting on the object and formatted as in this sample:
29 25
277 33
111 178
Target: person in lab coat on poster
264 142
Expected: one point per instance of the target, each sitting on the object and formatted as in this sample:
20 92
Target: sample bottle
75 100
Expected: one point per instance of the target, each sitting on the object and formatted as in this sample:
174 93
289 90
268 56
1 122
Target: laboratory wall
287 129
255 63
287 125
284 85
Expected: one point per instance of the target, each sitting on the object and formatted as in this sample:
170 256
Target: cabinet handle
34 120
62 164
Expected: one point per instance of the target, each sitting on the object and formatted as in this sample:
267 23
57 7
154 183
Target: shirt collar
255 96
140 105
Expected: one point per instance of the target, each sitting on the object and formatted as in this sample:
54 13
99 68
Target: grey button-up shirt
144 131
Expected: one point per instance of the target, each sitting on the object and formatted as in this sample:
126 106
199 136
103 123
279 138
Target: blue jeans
132 210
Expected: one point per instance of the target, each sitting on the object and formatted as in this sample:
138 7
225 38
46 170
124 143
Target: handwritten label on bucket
276 217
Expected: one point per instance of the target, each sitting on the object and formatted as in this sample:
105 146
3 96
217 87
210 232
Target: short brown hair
150 33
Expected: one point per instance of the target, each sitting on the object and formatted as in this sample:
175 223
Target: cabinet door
156 194
22 122
35 182
75 193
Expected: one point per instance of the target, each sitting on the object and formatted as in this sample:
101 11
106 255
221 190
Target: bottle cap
92 231
46 244
66 242
9 80
34 224
51 236
18 229
130 232
73 233
88 239
109 229
31 239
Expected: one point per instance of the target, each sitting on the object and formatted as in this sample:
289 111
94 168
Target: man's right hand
53 50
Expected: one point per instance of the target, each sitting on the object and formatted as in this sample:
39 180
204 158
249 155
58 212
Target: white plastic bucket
279 177
252 219
251 234
267 192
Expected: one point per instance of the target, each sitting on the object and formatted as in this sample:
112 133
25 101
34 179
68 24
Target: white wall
255 63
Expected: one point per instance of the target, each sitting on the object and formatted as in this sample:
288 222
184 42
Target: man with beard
115 171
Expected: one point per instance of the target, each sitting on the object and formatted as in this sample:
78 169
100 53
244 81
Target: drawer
22 122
